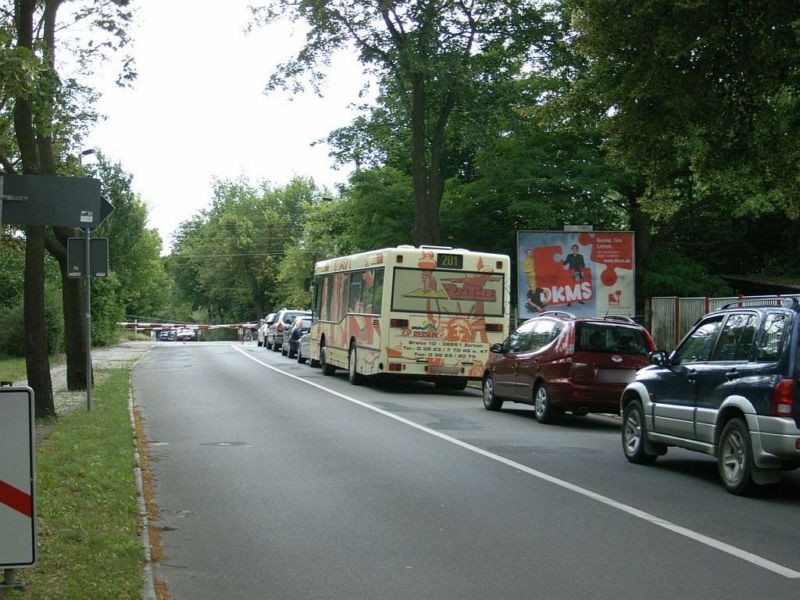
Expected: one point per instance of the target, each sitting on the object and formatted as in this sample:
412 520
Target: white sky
197 109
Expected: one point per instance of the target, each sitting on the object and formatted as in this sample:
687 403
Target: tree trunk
73 295
426 213
37 359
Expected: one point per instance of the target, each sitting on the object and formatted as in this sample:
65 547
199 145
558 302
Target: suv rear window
611 339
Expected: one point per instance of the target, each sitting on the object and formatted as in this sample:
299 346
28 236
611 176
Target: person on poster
575 262
535 301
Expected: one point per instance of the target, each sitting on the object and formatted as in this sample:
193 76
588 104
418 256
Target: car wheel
284 351
276 347
545 413
291 353
633 435
300 358
267 345
353 375
323 362
490 399
736 457
258 343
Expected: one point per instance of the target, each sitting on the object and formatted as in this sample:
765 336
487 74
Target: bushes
12 325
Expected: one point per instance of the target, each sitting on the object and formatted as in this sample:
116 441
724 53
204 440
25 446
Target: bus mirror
497 348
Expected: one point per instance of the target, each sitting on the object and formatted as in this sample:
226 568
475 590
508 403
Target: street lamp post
87 273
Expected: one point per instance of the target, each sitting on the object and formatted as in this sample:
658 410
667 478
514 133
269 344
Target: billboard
588 273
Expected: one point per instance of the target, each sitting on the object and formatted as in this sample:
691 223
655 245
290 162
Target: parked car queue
729 389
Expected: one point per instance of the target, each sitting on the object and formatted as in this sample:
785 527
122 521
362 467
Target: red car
559 362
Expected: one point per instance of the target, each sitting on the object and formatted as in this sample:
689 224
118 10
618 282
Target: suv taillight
783 398
279 327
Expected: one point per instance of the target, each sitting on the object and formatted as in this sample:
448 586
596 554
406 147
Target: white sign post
17 508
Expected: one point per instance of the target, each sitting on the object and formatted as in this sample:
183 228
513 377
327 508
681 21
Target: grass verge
12 368
87 513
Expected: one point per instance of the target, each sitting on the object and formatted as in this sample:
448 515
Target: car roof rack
622 318
556 313
780 302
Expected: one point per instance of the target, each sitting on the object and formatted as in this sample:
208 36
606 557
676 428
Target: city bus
427 312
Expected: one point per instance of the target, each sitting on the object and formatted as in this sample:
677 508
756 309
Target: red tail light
783 398
280 327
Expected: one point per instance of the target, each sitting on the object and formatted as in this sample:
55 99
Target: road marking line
645 516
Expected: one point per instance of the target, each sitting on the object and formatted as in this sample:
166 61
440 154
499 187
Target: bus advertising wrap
588 273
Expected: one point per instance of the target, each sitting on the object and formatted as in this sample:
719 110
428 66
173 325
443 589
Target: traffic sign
76 257
17 514
52 200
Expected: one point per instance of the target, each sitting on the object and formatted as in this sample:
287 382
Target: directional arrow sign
51 200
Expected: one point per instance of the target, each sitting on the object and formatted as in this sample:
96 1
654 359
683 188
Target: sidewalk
126 353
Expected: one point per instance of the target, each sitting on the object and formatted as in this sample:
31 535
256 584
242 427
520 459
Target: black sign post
60 202
76 257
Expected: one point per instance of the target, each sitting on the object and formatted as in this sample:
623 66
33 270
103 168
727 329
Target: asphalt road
273 481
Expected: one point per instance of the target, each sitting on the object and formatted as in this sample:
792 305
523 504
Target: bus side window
340 289
354 303
325 298
377 291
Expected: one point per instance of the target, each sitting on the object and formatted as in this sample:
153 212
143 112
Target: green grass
87 513
12 368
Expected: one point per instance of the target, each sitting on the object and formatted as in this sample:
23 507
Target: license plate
615 375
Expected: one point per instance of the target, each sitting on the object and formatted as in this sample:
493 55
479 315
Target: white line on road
645 516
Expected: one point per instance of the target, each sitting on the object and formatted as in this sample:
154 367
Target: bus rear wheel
353 375
327 369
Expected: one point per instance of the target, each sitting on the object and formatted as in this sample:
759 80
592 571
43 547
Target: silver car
303 346
282 325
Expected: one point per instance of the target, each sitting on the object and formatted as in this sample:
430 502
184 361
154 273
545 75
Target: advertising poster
587 273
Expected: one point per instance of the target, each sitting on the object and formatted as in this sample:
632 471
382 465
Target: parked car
283 320
303 345
163 335
262 330
300 326
559 362
729 389
186 335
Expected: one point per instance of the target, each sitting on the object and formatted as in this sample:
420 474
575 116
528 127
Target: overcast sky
198 111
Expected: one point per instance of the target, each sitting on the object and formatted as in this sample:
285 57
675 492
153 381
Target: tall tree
47 125
36 355
134 249
428 54
698 96
226 259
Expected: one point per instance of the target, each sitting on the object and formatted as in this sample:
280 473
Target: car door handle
691 374
732 374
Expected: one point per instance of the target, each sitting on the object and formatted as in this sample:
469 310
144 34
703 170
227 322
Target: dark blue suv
729 389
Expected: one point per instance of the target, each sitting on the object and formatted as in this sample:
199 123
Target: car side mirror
659 358
498 348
